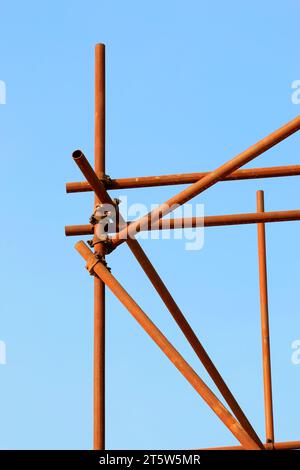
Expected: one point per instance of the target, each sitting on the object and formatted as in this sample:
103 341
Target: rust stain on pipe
186 178
289 445
99 286
208 221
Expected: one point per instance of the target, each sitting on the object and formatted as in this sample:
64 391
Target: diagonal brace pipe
175 357
208 180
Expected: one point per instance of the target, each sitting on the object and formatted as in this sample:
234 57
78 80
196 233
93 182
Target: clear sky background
189 85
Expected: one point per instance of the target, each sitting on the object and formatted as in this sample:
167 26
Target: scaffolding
110 230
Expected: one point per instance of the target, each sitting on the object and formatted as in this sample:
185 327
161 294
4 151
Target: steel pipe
208 181
175 357
87 170
290 445
264 313
285 445
190 335
147 266
185 178
207 221
99 286
100 183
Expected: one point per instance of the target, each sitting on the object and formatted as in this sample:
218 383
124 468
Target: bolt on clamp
103 216
94 259
105 211
106 179
106 242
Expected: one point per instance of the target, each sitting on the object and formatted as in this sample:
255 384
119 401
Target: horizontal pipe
207 221
167 348
285 445
291 445
186 178
208 181
75 230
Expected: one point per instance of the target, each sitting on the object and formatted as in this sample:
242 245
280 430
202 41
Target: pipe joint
106 180
94 259
105 212
105 241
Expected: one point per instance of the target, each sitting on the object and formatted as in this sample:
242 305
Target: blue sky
189 85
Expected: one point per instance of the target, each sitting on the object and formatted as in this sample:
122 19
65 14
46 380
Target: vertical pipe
263 287
99 286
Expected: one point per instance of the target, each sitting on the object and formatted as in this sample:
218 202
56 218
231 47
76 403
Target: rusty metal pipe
209 180
90 174
186 178
290 445
190 335
264 314
170 303
75 230
99 286
208 221
285 445
175 357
